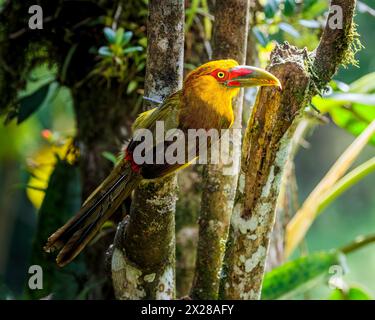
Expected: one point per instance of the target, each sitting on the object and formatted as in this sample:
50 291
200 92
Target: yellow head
208 91
227 76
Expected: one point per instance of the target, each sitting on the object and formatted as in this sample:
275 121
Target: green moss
355 45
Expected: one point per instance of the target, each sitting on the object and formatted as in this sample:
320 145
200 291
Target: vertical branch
143 261
338 43
287 202
267 146
265 151
229 40
283 212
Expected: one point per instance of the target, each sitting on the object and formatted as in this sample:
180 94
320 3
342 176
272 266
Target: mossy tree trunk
143 262
287 202
337 46
267 146
229 41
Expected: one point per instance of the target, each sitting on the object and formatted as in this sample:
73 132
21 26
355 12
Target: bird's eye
220 74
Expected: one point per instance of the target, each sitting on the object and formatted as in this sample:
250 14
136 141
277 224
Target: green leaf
105 52
67 61
127 37
365 84
29 104
314 8
307 4
119 36
299 275
140 66
132 86
191 13
132 49
110 35
339 86
368 99
354 119
270 9
261 37
354 109
109 156
354 293
289 7
286 27
143 42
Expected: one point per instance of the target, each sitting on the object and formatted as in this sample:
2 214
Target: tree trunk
143 262
229 41
266 148
287 202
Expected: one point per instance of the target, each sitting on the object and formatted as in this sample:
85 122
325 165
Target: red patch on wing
129 157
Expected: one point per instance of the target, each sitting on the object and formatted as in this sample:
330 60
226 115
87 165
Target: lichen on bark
143 256
266 146
148 242
265 150
229 41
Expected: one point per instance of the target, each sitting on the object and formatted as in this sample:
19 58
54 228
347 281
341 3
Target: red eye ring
220 75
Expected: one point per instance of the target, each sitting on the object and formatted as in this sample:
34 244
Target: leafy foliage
29 104
288 19
299 275
117 57
351 107
351 293
119 43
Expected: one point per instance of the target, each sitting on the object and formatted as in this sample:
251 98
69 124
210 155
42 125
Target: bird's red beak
246 76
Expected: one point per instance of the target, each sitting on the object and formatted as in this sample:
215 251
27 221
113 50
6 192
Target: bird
204 102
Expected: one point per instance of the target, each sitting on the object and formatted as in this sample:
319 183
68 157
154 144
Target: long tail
71 238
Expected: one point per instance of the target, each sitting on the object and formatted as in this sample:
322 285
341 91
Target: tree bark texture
337 45
287 202
264 153
143 262
187 213
266 148
229 41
